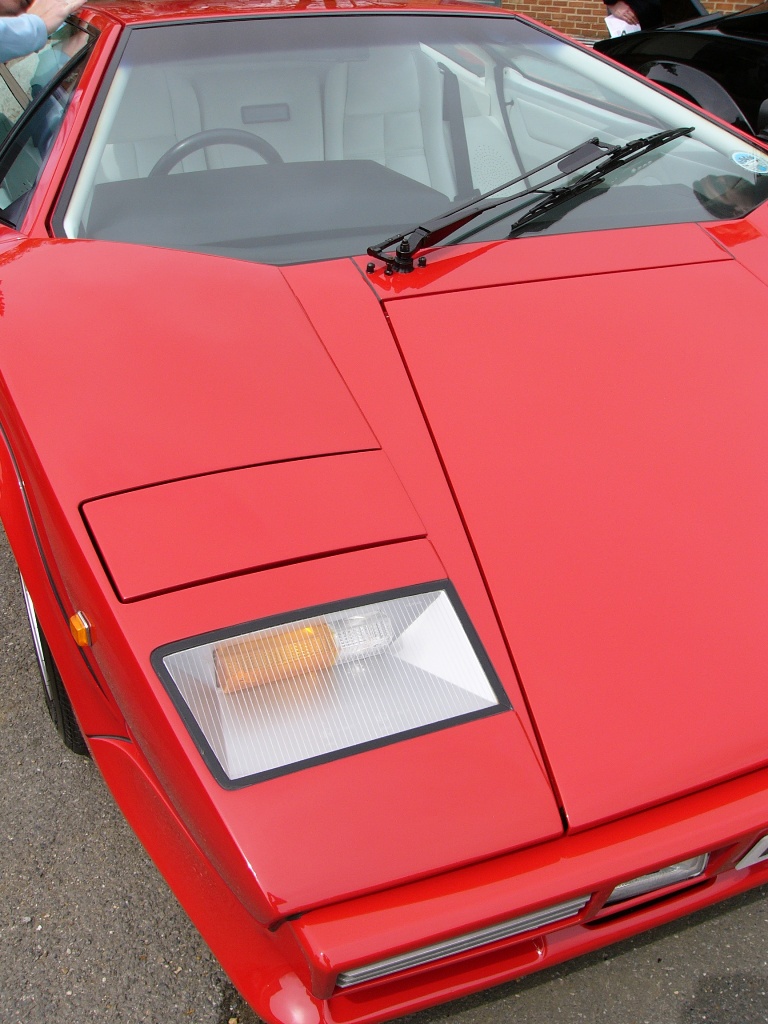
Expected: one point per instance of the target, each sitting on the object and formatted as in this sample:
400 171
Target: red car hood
606 435
168 365
603 429
183 414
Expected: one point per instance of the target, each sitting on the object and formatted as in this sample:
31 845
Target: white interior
388 104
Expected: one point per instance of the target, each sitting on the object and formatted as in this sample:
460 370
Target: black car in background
719 61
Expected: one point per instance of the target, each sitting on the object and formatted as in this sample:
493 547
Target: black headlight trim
206 751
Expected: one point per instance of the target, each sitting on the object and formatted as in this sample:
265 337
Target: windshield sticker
751 162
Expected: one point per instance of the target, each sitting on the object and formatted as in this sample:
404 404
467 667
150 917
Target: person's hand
53 12
620 10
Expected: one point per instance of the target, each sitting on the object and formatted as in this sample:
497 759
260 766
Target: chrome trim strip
462 943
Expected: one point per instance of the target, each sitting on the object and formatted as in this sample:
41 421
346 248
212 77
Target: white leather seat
144 127
490 154
281 103
389 108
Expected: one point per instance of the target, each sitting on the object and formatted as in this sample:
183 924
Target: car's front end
400 541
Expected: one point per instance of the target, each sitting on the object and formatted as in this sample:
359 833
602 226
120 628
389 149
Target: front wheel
54 692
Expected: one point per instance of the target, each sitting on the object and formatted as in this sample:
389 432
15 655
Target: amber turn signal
269 657
80 628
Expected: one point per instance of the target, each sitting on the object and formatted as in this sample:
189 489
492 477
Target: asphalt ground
90 932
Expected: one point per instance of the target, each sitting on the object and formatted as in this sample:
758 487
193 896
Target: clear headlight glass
270 697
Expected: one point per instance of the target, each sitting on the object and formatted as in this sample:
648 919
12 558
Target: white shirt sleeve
22 34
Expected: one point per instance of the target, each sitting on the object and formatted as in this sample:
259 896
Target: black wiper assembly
619 156
410 242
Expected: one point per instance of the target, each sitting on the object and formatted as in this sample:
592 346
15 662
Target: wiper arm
433 231
619 156
410 242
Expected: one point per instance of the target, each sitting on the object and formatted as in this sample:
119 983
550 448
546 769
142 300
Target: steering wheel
215 137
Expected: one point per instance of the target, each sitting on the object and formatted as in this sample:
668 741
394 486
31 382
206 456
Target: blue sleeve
22 34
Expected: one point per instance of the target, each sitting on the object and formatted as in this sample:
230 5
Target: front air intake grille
462 943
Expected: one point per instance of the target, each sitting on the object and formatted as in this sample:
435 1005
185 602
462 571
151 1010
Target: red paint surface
613 479
188 379
174 535
573 428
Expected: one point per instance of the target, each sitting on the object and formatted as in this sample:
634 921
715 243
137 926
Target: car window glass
33 71
285 140
10 109
536 66
23 153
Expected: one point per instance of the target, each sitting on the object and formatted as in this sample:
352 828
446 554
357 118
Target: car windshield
289 139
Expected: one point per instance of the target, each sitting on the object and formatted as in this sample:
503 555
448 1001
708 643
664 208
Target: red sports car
385 456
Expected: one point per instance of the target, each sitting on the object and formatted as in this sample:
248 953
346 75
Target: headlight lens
270 697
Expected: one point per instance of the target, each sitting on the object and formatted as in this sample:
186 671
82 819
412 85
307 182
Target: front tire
54 692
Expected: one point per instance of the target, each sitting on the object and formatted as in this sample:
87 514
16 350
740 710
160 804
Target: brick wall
585 19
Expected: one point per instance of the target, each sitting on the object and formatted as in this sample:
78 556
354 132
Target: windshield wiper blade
409 243
433 231
619 156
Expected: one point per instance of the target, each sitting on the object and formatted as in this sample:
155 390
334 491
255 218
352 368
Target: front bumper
289 974
577 872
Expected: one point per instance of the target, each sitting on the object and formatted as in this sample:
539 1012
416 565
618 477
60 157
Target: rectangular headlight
271 696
